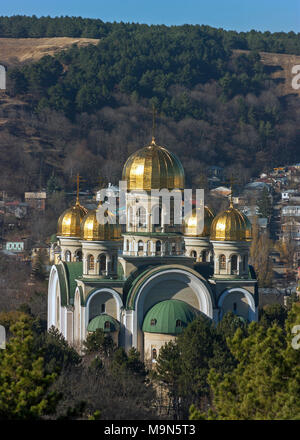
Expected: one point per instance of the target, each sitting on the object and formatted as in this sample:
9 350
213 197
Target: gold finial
153 124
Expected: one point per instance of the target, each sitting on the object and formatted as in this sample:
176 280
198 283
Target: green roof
73 271
53 238
99 322
169 317
67 273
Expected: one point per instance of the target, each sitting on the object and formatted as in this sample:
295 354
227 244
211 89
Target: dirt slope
19 50
280 66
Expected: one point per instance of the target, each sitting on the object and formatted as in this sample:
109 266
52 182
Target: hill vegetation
86 109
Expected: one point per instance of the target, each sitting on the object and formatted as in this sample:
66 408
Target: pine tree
23 382
265 385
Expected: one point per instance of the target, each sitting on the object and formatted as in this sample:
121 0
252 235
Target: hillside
19 50
89 108
280 65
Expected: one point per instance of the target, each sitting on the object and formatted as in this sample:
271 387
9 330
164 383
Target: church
144 285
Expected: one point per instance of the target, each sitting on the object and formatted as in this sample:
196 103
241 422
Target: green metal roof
67 273
163 317
73 271
99 322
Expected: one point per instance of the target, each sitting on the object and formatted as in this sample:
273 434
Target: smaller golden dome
231 225
68 224
190 223
92 230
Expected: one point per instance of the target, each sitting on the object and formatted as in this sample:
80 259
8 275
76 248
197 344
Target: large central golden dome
231 225
69 221
191 220
153 167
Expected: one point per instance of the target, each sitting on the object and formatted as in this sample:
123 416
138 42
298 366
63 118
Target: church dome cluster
146 288
153 167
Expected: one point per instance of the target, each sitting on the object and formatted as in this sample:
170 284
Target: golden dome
92 230
231 225
153 167
69 222
190 223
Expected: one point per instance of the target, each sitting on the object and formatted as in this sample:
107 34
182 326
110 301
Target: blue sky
240 15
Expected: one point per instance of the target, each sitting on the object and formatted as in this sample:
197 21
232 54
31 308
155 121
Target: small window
140 246
194 254
107 324
102 261
68 256
234 264
153 322
102 308
154 353
91 262
234 307
204 256
173 248
178 323
222 262
158 246
79 256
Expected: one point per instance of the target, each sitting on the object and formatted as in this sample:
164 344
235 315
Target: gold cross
78 180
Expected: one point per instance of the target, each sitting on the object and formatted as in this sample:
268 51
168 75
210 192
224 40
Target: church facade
143 286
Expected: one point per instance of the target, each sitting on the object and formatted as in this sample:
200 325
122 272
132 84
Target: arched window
154 353
68 256
130 216
194 254
158 246
140 246
204 256
78 255
172 211
173 248
153 321
91 262
178 323
102 308
102 263
107 325
156 216
222 261
234 264
141 214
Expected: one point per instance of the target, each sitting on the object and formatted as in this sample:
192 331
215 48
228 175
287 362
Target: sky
240 15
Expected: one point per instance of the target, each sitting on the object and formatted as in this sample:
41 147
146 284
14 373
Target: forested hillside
87 108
